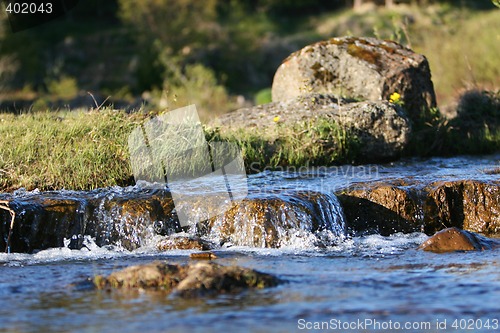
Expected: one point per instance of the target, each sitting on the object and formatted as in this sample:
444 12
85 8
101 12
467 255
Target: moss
363 53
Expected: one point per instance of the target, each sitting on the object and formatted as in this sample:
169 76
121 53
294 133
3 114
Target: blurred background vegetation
222 54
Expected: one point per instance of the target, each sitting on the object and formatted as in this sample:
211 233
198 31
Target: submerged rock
187 280
454 239
381 129
185 243
359 68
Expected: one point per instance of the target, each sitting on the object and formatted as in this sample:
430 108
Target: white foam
300 243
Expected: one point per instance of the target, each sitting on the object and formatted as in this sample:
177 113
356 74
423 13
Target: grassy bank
72 150
86 150
318 142
89 149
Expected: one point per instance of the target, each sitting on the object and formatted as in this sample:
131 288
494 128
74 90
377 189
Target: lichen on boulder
360 68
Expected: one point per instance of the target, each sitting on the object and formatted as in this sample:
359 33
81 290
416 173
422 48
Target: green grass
72 150
319 142
475 129
86 150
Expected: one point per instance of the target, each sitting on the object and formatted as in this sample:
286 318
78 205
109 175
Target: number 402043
473 324
29 8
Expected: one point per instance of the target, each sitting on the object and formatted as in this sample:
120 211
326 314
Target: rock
203 256
126 220
185 243
381 208
381 129
400 206
207 277
470 205
275 220
45 220
454 239
155 275
189 280
359 68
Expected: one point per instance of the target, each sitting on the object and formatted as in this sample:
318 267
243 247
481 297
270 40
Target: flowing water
359 284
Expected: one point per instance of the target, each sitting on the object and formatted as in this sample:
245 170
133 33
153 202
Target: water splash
307 219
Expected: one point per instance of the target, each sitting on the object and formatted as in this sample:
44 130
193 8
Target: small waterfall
304 218
126 217
130 217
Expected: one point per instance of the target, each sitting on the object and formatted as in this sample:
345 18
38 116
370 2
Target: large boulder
381 129
360 68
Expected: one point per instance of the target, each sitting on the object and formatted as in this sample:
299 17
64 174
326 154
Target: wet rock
185 243
406 207
381 129
46 220
127 220
359 68
43 222
156 275
454 239
207 277
470 205
381 208
203 256
275 220
189 280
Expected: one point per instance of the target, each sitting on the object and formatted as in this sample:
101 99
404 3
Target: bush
264 96
195 84
476 129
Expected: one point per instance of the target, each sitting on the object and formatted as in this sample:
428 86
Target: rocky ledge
39 221
381 129
406 206
193 279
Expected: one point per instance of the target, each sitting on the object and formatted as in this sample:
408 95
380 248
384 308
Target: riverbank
83 150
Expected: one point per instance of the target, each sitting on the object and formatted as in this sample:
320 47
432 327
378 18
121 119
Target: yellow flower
394 98
276 119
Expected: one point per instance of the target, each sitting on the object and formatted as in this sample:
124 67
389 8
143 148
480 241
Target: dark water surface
363 284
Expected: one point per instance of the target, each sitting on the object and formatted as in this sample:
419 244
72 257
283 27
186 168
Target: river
368 283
